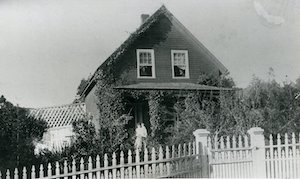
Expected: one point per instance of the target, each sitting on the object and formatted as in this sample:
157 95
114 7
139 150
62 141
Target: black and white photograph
113 89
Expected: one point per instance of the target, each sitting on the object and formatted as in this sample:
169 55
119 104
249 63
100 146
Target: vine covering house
160 63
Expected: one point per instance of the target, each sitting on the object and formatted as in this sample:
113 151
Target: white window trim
187 71
138 51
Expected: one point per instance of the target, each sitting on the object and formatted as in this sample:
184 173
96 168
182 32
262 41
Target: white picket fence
283 158
180 161
245 156
253 156
230 157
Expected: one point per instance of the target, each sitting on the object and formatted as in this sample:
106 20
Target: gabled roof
172 86
59 116
131 39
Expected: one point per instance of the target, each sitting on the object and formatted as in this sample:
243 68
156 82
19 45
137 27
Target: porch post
201 138
257 140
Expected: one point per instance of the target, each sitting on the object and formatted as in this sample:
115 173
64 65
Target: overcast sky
48 46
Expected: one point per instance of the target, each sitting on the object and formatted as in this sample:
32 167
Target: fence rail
253 156
180 161
244 156
283 158
230 157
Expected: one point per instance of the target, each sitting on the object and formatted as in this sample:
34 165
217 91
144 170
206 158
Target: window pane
145 58
179 59
179 64
146 71
179 71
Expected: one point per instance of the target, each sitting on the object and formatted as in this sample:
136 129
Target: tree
17 133
298 83
276 103
82 85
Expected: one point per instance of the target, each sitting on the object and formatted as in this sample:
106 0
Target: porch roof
172 86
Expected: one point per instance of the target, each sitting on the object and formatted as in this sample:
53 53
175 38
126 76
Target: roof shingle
59 116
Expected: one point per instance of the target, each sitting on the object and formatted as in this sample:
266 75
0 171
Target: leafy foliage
82 85
266 104
17 135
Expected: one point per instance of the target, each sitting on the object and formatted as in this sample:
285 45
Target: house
161 55
59 119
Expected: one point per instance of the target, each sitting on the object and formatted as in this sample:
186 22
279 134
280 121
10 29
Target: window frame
151 51
187 71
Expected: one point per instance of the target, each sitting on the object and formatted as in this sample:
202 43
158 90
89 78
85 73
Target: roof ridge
133 36
59 106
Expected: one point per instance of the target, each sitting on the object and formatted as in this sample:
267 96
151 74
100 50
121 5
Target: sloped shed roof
172 86
59 116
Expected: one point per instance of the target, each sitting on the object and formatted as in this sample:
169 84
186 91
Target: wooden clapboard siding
166 35
163 33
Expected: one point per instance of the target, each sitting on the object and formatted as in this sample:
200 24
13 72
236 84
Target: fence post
257 140
201 138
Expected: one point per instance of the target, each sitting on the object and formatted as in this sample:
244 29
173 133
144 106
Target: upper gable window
145 63
180 64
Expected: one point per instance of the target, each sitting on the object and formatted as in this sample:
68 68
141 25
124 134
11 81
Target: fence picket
73 168
130 162
168 172
98 166
41 173
126 173
65 169
24 174
7 174
142 173
122 171
90 167
226 157
32 172
222 142
268 161
298 159
227 142
286 149
118 174
106 165
81 168
146 160
246 141
153 159
279 156
276 164
134 173
16 175
271 157
283 156
150 172
294 155
216 142
114 164
190 148
290 171
194 148
137 161
110 175
160 157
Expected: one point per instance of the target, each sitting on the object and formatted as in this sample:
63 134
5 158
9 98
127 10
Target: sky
48 46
